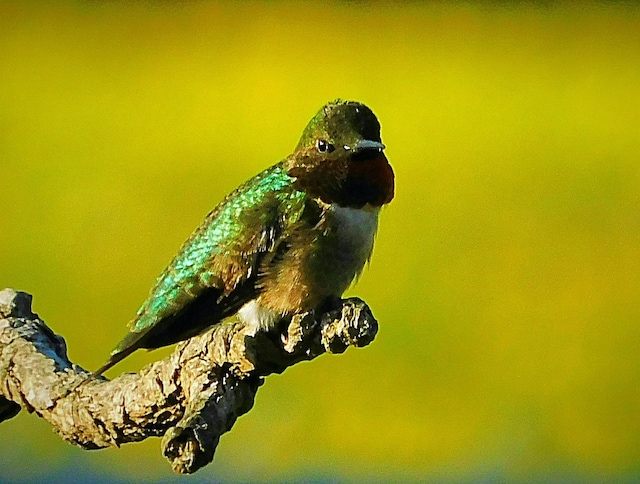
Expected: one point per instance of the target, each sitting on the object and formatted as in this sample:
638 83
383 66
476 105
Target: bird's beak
366 145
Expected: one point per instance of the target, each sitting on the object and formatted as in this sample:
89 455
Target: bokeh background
506 275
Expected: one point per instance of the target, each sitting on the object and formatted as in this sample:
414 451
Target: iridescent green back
223 251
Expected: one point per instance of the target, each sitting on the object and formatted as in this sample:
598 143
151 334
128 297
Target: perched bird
284 242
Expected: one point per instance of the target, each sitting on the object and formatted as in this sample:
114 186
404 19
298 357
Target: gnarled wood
191 397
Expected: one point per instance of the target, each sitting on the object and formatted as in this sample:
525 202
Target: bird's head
340 157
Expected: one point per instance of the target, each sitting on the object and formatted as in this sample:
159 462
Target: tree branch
191 397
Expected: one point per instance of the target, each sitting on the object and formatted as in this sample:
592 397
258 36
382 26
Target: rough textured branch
191 397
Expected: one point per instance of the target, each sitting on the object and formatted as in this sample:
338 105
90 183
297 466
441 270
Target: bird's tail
130 343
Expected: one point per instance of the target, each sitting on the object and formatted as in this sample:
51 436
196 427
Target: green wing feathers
223 252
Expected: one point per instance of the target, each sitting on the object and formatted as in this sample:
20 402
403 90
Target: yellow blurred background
506 273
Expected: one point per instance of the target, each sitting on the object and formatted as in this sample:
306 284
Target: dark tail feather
115 358
128 345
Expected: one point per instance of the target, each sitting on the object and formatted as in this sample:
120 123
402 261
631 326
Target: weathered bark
191 397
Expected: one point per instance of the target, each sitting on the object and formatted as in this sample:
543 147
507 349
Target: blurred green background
506 274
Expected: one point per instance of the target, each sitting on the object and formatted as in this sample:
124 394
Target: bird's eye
324 146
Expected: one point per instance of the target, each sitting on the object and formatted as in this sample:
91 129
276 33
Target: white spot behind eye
323 146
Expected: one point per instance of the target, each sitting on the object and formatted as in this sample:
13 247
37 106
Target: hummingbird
287 241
